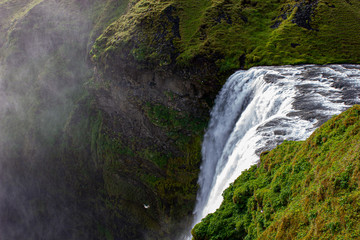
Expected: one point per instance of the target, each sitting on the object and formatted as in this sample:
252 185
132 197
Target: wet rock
272 78
280 132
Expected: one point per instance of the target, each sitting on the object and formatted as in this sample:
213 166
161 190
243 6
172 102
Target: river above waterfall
258 109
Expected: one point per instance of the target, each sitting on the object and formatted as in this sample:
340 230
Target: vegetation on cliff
135 175
232 34
300 190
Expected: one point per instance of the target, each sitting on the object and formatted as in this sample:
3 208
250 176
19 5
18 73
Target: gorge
104 106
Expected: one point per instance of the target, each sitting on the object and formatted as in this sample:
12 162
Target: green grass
232 34
104 13
334 41
301 190
191 16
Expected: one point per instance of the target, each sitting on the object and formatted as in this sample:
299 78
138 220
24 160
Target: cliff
160 65
107 102
50 186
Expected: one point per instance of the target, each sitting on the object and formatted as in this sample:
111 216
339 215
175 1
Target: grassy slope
333 40
301 190
235 33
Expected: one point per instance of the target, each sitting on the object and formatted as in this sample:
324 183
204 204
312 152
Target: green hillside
300 190
233 34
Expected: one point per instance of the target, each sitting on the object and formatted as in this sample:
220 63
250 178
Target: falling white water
258 109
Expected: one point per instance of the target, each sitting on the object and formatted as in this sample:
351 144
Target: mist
42 75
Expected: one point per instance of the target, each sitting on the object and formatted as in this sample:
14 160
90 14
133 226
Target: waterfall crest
260 108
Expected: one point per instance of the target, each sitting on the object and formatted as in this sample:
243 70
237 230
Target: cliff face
121 129
80 157
159 67
306 190
50 186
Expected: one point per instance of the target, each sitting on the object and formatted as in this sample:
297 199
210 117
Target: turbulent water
258 109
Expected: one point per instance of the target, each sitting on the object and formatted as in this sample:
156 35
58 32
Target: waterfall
260 108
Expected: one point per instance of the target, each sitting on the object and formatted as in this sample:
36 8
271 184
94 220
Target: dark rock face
304 13
124 101
130 93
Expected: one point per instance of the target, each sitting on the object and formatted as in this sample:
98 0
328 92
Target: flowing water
260 108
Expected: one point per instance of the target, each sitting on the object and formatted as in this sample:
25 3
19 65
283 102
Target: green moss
301 190
179 187
150 179
160 159
180 126
192 13
133 176
234 33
